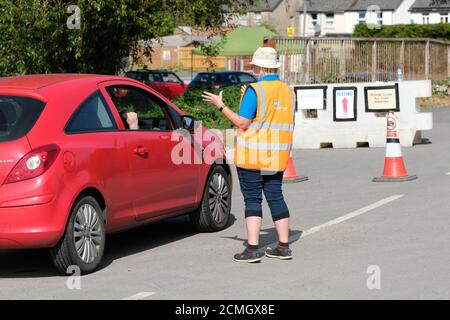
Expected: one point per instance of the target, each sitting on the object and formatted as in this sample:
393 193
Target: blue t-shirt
249 103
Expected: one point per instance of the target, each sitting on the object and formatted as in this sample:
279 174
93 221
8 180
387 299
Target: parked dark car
216 80
166 82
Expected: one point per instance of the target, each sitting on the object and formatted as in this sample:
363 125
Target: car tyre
83 242
214 211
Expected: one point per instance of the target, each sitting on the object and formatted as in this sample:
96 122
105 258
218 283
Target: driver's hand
132 120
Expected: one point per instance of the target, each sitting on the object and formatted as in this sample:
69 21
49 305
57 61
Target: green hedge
435 31
193 105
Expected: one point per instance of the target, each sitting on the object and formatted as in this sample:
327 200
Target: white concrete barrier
369 129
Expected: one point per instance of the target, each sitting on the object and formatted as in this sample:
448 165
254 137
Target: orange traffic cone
290 174
394 166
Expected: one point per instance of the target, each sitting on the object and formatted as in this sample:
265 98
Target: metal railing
332 60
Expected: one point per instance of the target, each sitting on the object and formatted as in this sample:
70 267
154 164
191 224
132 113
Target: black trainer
250 256
279 253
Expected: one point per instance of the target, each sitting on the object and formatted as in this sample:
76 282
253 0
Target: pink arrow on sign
345 105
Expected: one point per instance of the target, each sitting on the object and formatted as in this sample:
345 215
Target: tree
94 36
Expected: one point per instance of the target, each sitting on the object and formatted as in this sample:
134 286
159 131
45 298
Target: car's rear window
17 116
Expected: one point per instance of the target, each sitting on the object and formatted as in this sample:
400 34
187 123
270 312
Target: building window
258 19
362 17
329 20
379 18
314 19
444 17
243 19
425 18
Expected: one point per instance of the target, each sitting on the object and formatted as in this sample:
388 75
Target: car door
231 79
156 82
173 85
93 139
159 185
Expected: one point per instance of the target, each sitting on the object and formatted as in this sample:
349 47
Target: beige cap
266 57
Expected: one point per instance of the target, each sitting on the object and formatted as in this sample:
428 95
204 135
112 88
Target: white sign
311 98
166 55
344 104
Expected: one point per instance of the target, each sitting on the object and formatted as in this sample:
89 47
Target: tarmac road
398 232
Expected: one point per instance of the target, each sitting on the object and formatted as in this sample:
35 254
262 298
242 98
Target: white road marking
140 296
351 215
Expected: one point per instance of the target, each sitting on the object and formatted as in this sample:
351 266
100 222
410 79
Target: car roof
38 81
150 71
222 72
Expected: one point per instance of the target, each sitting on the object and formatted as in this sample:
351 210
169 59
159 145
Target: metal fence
332 60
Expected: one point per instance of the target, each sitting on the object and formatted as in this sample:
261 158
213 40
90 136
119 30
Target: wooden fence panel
189 60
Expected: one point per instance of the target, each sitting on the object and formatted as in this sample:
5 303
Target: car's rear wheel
214 211
83 243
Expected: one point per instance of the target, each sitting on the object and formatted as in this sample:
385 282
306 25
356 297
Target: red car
71 171
165 82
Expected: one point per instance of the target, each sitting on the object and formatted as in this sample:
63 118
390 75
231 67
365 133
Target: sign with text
344 104
311 98
382 98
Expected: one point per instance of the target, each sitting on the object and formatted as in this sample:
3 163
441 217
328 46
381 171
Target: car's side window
170 77
91 116
203 78
232 79
151 111
155 77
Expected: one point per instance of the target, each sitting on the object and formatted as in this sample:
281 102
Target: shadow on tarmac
37 263
423 141
268 237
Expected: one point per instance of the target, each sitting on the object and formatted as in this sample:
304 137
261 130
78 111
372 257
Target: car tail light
33 164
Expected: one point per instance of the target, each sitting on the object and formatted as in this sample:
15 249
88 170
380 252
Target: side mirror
187 123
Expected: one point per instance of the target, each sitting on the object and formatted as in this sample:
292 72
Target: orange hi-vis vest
266 144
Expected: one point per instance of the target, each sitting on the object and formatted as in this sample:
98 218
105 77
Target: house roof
179 40
340 6
243 41
255 5
429 5
319 6
264 5
385 5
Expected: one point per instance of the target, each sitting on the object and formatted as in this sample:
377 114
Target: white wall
402 14
418 17
338 27
352 19
310 133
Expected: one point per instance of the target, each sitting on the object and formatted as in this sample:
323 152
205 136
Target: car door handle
165 137
141 151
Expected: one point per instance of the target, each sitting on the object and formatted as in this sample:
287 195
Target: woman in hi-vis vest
265 125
